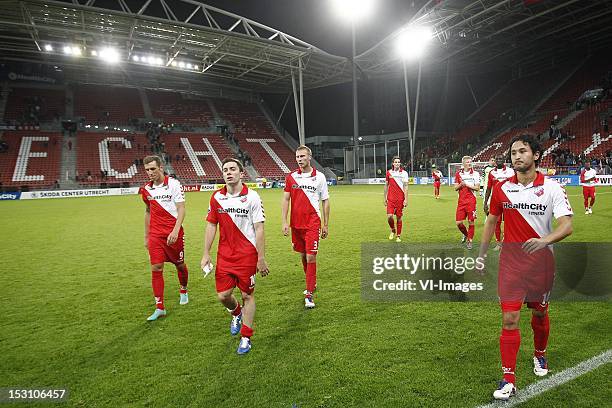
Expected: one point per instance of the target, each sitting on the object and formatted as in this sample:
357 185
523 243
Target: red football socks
470 234
462 229
183 276
246 331
509 343
237 310
541 328
391 224
157 282
311 277
399 228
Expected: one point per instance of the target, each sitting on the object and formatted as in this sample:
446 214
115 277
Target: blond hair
304 147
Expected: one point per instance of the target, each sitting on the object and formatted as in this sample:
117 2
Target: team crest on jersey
539 192
243 199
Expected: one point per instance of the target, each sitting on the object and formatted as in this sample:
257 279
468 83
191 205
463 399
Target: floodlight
67 50
411 42
189 66
353 10
150 60
196 67
94 53
136 58
48 47
76 51
109 55
158 61
173 63
181 64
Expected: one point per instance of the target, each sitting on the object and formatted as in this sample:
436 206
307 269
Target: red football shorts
437 184
466 211
305 240
160 252
525 278
588 192
229 276
395 208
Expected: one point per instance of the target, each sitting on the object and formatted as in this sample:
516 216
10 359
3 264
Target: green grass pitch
76 292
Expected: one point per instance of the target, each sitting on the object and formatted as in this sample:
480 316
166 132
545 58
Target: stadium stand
107 106
33 105
269 154
196 158
115 153
172 107
32 159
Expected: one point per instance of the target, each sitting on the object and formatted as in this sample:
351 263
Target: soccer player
485 176
164 236
239 213
437 176
588 179
304 188
497 174
467 182
396 194
528 202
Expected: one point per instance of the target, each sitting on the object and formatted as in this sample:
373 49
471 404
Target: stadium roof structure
161 41
491 34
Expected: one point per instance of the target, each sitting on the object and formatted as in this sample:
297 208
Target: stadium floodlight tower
354 11
411 44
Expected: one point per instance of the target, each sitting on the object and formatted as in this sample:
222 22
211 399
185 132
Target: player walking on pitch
239 213
588 179
396 195
164 235
495 175
467 183
304 188
528 201
437 176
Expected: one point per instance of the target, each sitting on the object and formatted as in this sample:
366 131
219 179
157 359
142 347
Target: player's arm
405 194
285 211
475 187
563 230
209 238
486 199
325 226
386 191
146 225
487 234
180 209
458 182
260 246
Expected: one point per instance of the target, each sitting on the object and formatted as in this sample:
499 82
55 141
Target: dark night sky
315 21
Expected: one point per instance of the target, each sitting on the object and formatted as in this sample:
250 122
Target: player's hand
534 244
324 231
262 267
206 265
486 209
405 203
172 238
285 229
480 267
146 243
385 202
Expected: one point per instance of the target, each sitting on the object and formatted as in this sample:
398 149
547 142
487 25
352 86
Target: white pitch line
554 380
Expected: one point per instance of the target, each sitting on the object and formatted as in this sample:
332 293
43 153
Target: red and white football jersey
496 175
437 175
588 174
306 190
471 178
161 201
396 180
528 210
236 216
